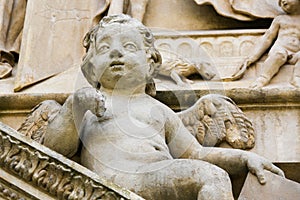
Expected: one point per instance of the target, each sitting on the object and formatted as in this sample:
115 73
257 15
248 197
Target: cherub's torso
289 32
131 135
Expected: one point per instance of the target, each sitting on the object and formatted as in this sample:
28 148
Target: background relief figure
283 37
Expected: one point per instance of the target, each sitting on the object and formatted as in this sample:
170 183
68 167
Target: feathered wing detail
36 122
215 118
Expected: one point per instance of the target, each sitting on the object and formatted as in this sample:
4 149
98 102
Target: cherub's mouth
116 65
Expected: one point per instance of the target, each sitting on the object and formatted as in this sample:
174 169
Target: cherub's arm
183 145
265 41
262 45
62 132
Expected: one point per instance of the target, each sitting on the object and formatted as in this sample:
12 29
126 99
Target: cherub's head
120 48
290 6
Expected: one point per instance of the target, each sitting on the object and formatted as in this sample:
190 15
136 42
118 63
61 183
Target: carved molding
7 192
50 172
226 49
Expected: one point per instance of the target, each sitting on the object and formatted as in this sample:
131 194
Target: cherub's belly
121 143
109 146
291 43
122 155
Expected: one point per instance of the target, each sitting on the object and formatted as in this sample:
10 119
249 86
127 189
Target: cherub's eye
103 48
130 46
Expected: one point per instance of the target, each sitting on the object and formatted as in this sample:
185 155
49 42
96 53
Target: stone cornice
47 174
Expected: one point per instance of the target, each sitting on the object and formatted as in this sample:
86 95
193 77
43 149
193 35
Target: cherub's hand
97 104
90 99
257 164
185 69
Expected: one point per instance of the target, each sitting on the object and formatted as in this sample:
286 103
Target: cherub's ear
87 68
154 60
90 37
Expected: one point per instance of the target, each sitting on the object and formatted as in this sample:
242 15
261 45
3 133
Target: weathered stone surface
245 9
11 26
188 15
279 130
53 32
275 188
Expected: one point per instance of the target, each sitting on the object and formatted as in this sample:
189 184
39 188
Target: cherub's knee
218 176
218 186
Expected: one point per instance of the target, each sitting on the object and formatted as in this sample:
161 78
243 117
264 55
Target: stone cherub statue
132 139
283 37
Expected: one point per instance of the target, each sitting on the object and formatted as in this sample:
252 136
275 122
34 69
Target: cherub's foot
296 82
259 83
5 70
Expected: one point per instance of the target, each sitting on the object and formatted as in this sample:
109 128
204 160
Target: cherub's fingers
259 172
274 169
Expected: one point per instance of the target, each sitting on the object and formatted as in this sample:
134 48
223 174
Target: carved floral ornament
33 164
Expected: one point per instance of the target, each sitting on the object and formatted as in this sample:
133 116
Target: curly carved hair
89 43
279 2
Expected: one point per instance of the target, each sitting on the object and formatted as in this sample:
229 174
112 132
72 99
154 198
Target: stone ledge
275 188
291 170
266 97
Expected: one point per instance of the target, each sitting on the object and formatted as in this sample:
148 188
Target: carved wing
36 122
215 118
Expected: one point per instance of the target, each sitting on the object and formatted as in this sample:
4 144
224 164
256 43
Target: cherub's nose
115 54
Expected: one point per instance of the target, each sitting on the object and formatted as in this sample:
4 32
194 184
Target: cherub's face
121 60
290 6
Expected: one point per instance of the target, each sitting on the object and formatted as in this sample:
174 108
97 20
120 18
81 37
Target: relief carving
283 39
7 192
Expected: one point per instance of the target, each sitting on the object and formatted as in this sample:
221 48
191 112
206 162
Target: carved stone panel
52 37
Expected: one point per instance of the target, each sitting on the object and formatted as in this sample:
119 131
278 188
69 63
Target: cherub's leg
296 74
270 67
184 179
138 8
